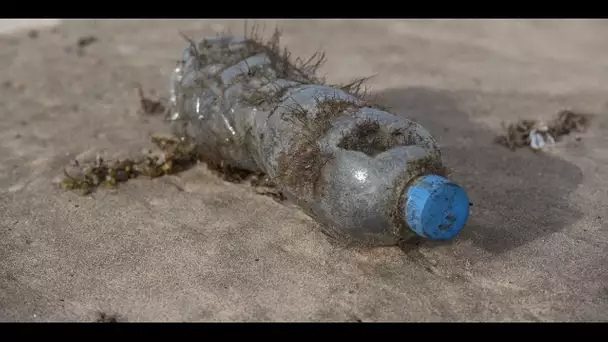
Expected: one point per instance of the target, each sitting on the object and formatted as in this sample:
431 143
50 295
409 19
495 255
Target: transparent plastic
345 162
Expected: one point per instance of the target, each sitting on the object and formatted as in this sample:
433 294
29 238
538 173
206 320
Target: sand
193 247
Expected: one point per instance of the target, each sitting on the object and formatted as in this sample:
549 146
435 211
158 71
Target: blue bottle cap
436 208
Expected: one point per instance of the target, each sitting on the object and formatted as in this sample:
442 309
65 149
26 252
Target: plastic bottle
366 175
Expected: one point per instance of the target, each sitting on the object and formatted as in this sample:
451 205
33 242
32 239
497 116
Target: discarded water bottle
366 175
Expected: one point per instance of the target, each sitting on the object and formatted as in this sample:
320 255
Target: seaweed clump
522 133
176 156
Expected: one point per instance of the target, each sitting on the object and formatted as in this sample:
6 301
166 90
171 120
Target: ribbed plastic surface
342 159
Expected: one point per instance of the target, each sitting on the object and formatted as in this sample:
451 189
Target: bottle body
345 162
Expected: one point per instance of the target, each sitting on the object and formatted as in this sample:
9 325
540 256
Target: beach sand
192 247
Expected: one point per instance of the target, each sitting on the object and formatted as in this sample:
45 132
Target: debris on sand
175 156
103 317
537 134
263 185
83 42
149 106
172 155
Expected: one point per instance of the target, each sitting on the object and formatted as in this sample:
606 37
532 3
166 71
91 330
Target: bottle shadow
517 196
